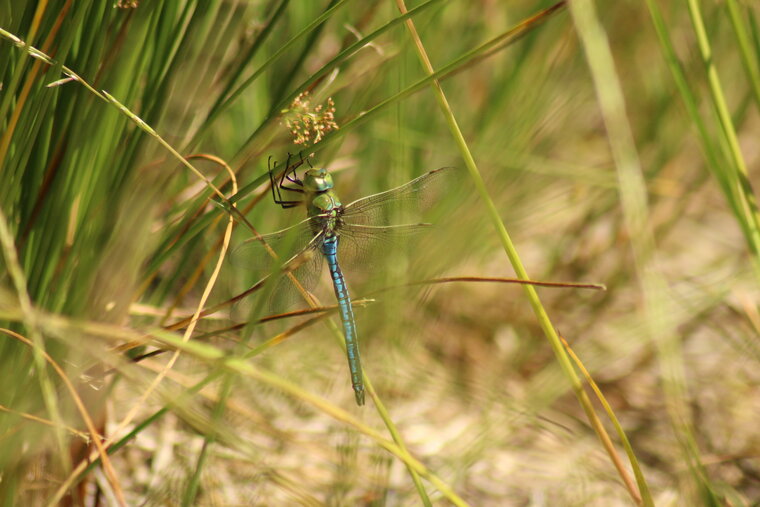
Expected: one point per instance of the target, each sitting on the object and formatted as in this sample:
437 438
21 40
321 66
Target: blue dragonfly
333 231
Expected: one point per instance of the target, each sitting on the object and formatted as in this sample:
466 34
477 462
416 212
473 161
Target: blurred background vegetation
619 147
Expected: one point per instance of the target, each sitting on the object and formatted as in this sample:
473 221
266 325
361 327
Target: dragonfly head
317 180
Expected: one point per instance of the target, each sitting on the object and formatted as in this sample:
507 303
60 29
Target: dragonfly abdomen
330 251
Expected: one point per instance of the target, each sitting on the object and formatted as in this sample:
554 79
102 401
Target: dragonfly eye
317 180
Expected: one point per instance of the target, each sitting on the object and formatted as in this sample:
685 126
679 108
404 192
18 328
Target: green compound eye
317 180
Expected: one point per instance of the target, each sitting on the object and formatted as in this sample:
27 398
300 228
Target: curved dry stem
607 442
31 417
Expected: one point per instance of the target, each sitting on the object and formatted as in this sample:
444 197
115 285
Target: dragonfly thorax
327 208
324 203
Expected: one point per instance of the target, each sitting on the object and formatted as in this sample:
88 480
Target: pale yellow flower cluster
309 125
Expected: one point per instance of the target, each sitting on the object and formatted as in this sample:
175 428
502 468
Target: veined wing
363 246
276 248
416 195
295 250
382 232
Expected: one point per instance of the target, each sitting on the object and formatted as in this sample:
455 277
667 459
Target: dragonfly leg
307 159
290 175
277 186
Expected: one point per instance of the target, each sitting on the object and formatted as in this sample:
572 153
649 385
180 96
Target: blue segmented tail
330 251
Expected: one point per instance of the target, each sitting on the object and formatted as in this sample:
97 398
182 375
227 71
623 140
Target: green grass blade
742 189
745 50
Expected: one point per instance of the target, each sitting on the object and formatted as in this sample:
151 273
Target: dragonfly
333 231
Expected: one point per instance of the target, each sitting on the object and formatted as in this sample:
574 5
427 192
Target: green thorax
320 197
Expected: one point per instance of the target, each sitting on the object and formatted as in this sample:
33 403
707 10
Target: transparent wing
412 197
256 254
295 249
306 268
363 247
382 233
